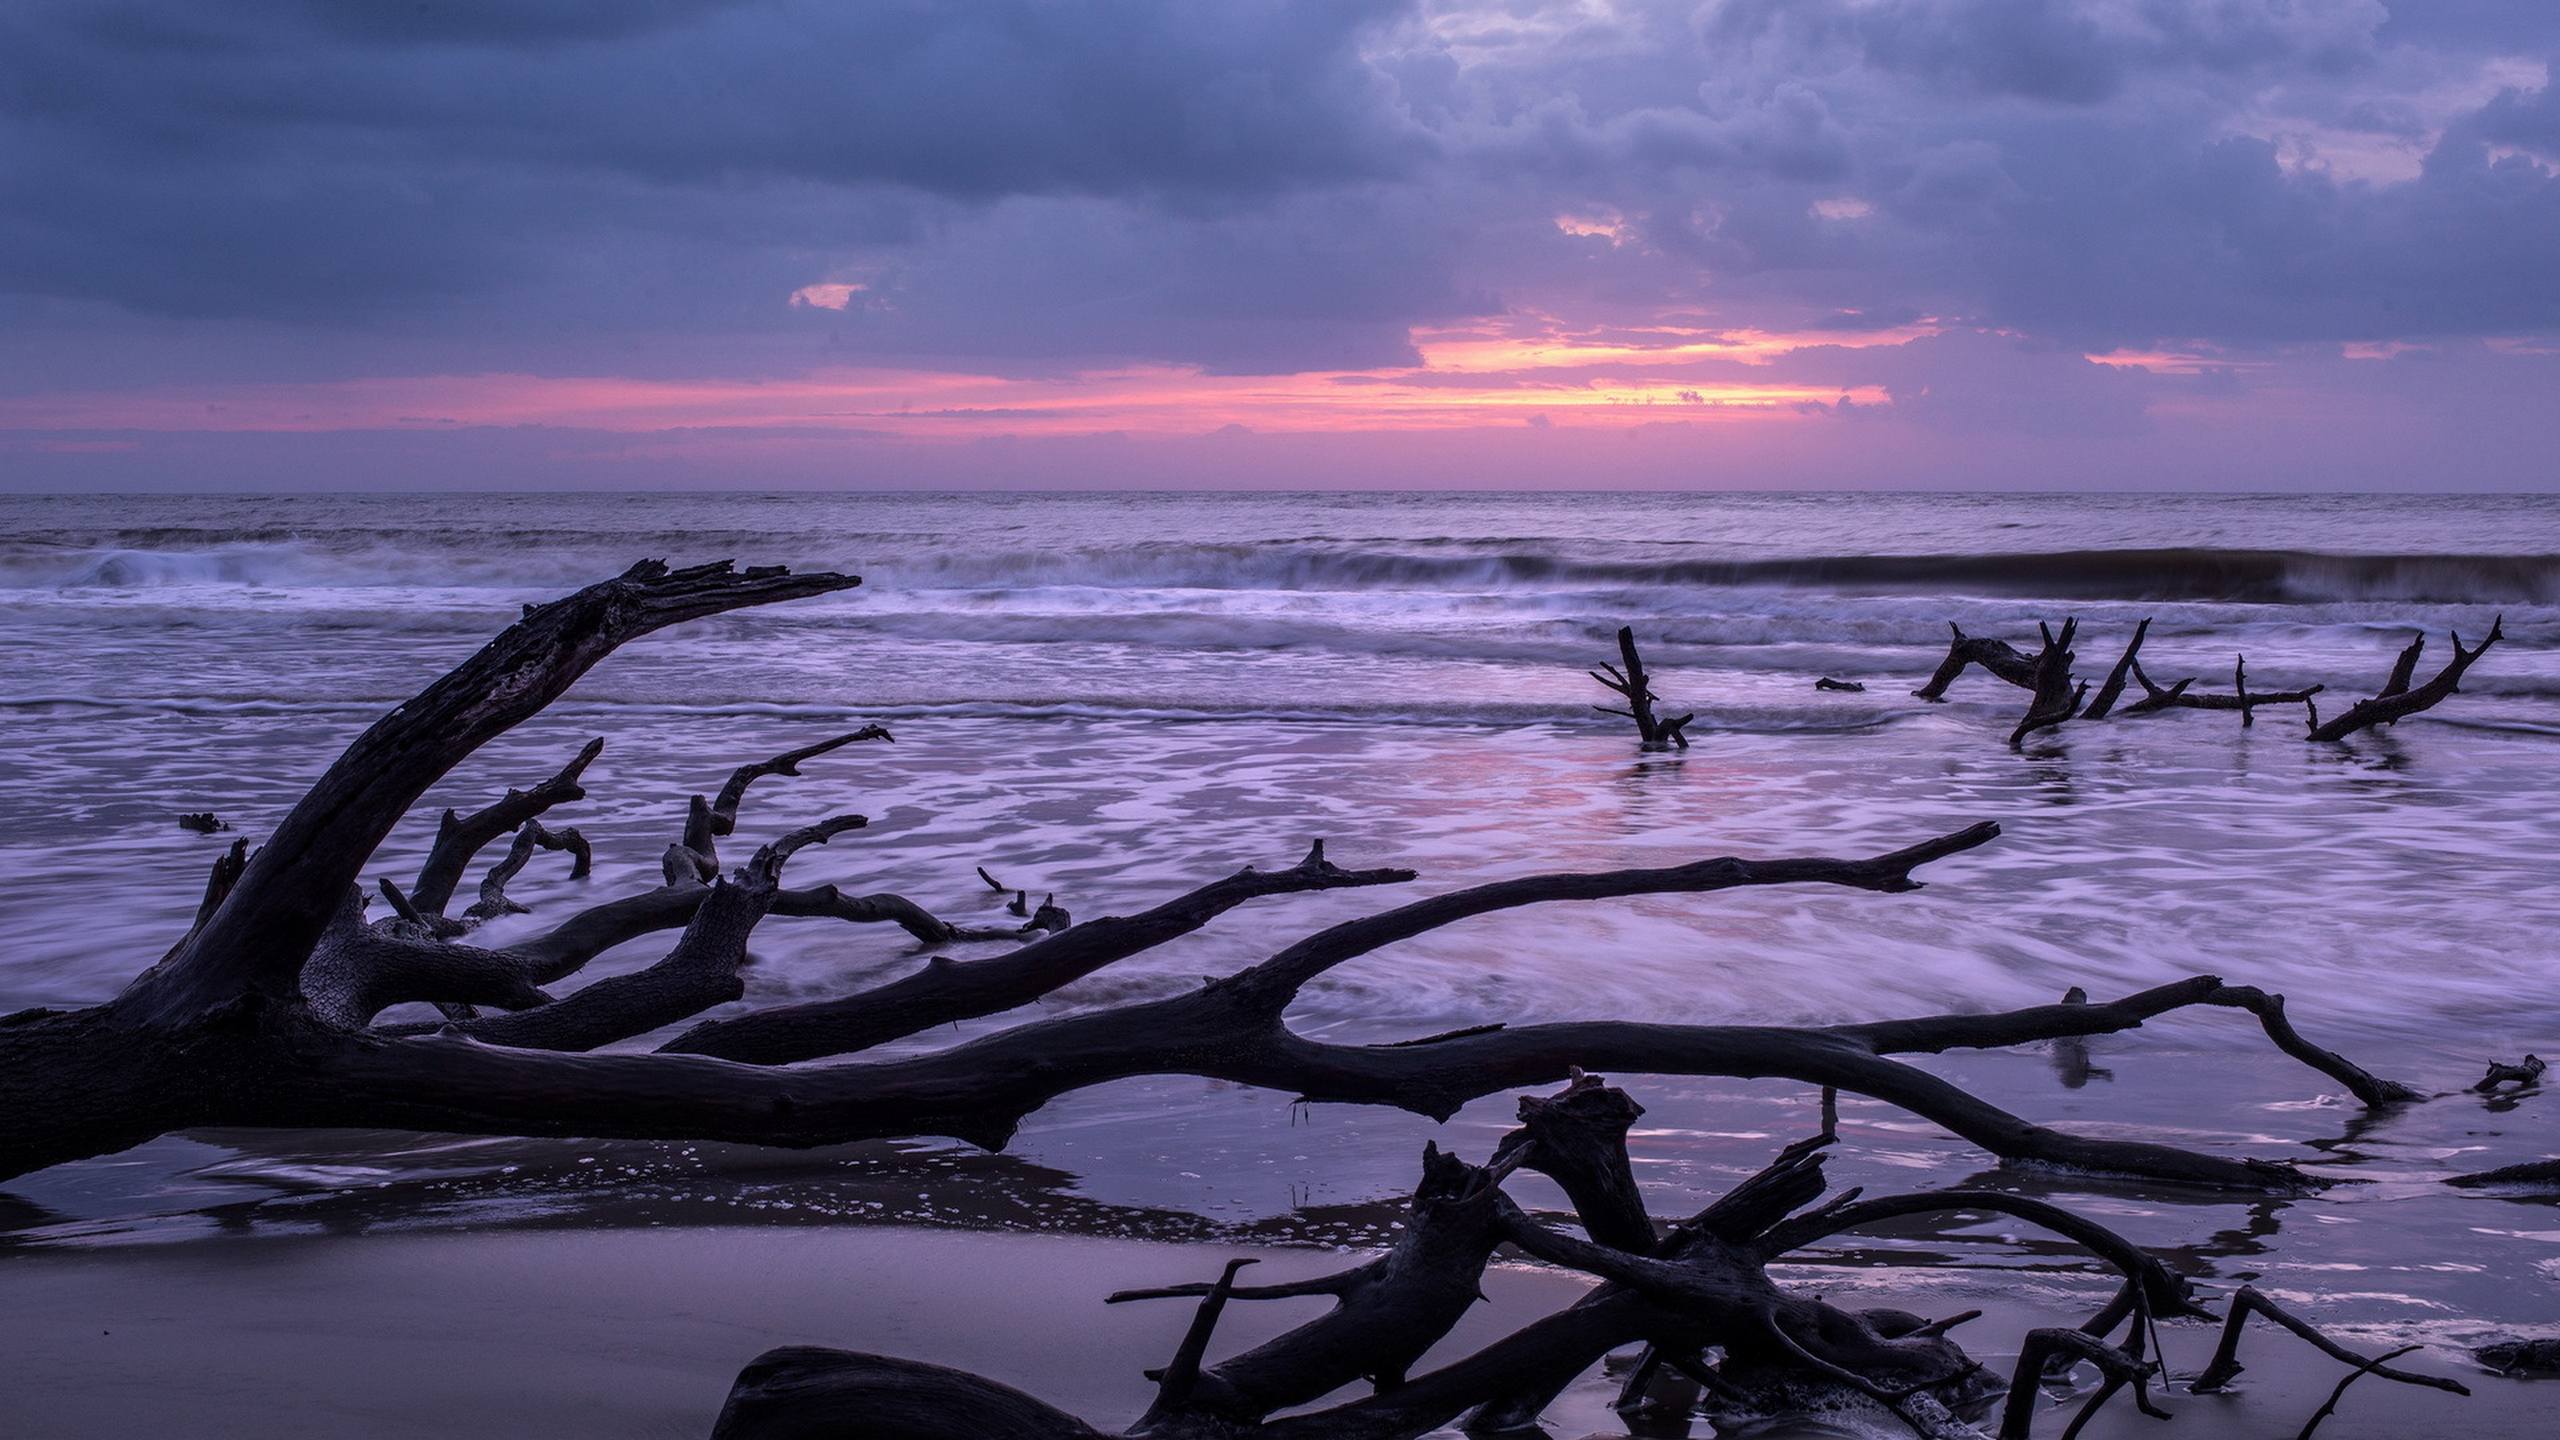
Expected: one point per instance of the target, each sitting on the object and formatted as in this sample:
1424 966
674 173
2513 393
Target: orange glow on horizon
2169 362
1525 370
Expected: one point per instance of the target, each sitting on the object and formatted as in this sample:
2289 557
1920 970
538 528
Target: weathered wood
2397 701
2057 699
1999 657
1636 688
267 926
459 837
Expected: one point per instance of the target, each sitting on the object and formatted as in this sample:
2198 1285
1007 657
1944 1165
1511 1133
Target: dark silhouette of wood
493 901
2536 1175
460 837
2057 698
2535 1356
2112 689
724 810
2527 1072
1845 687
1636 688
2225 1365
1999 657
2157 698
1698 1291
2397 701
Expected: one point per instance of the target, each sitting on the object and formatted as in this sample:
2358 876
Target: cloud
2064 51
291 191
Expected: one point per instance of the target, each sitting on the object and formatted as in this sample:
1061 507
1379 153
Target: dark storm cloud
337 161
2075 51
1257 186
984 98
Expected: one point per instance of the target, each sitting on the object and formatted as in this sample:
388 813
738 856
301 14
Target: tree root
1702 1291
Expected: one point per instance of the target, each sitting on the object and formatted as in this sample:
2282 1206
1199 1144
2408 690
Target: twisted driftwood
1698 1297
2058 699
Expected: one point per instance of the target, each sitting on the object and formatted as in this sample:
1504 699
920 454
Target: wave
545 561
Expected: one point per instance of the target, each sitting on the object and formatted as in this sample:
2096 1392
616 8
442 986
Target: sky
2181 244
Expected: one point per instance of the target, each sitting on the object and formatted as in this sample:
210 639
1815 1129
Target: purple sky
615 243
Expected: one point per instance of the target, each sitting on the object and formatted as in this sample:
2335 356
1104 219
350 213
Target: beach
1114 698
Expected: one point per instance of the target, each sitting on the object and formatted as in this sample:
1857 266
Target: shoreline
623 1332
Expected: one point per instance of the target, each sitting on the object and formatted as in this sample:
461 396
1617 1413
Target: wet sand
578 1333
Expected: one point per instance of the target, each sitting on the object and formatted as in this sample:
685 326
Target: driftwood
2527 1072
1998 657
1698 1297
2397 700
2057 698
1636 688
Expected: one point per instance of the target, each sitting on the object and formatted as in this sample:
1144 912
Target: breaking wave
536 560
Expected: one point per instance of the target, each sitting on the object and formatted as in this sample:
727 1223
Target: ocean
1114 696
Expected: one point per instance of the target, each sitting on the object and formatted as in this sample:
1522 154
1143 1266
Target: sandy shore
575 1333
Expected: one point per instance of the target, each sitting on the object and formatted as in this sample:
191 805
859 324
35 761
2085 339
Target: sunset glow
1468 379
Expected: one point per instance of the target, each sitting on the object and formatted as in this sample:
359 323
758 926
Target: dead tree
1999 657
1636 688
2057 699
1698 1297
2397 701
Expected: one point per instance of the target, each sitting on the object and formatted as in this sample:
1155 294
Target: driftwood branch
722 814
2056 697
1635 687
1699 1299
493 901
2002 659
256 942
945 990
2112 688
2397 700
2225 1365
460 837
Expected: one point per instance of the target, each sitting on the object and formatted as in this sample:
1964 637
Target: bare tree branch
458 837
259 937
2397 701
